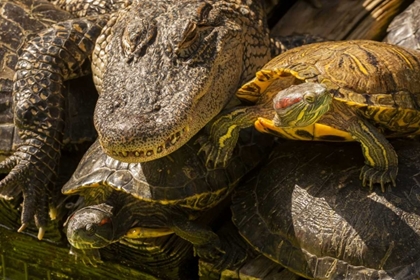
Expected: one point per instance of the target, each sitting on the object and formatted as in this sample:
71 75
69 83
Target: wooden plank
341 19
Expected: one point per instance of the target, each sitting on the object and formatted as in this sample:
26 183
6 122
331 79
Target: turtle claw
216 157
218 153
370 175
209 252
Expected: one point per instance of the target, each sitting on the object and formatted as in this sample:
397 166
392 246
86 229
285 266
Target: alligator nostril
156 107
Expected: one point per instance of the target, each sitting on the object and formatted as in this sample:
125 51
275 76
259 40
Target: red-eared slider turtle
356 90
20 21
156 198
404 30
303 210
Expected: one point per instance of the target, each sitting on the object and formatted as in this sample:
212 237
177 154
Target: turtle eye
310 98
91 229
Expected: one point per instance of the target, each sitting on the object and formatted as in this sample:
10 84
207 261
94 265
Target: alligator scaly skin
163 69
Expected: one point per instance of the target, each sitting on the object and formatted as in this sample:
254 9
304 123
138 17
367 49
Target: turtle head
91 227
301 105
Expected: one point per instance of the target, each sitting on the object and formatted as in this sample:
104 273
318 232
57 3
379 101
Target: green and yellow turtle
356 90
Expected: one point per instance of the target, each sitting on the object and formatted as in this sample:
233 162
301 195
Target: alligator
163 69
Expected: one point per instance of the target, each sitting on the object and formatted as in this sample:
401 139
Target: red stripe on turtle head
105 221
286 102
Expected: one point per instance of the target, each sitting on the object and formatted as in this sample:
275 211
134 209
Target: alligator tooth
125 154
173 140
159 149
168 144
137 154
149 153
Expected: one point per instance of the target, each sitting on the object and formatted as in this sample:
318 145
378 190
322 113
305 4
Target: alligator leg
59 53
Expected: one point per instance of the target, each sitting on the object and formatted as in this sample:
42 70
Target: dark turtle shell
180 178
20 21
304 210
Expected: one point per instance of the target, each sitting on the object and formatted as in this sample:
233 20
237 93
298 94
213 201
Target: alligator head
164 69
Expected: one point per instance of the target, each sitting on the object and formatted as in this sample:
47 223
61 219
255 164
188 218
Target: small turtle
302 209
351 90
155 198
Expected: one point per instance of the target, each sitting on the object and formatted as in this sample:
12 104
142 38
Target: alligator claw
22 227
41 233
29 174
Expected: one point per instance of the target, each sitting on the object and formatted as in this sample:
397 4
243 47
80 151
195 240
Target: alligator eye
190 36
91 229
310 98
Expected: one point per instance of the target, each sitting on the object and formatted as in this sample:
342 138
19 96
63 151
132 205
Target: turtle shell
180 178
20 21
303 209
381 80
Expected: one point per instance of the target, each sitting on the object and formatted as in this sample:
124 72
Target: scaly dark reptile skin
163 69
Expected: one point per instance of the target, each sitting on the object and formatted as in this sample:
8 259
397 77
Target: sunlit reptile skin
163 69
374 90
381 80
365 90
158 197
35 161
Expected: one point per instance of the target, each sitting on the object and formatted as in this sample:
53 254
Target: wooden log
341 19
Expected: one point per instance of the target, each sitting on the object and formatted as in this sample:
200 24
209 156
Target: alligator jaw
172 143
164 71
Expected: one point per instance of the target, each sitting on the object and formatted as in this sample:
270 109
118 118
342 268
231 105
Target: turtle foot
217 152
29 174
371 175
209 252
216 157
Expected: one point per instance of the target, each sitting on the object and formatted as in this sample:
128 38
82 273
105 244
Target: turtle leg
57 54
381 160
224 132
206 243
